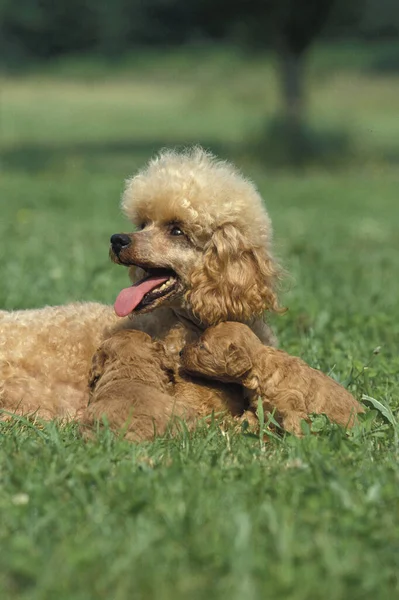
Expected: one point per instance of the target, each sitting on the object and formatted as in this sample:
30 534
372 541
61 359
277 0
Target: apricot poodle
134 385
130 384
231 352
200 254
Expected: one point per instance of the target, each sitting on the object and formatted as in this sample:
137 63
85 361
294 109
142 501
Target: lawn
212 514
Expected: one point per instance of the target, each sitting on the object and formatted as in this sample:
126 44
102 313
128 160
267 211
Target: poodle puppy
200 254
232 352
130 382
134 385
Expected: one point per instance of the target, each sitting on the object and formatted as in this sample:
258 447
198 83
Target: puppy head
222 352
123 350
202 241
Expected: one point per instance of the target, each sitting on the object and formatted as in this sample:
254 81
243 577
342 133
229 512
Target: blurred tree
380 19
45 28
292 26
42 29
289 27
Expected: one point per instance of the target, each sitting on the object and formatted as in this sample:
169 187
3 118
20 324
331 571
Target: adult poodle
200 254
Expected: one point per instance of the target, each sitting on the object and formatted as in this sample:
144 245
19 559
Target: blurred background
302 94
282 82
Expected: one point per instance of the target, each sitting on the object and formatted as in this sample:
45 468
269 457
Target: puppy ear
238 362
97 367
167 360
236 280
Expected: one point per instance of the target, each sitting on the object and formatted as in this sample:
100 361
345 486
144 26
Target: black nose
119 241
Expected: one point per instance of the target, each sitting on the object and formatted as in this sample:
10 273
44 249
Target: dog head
202 241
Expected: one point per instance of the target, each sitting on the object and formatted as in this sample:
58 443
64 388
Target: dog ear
236 280
238 361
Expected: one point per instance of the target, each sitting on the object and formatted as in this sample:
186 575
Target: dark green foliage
39 29
306 145
385 61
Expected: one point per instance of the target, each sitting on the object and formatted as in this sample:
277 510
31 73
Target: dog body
45 355
135 384
200 254
232 352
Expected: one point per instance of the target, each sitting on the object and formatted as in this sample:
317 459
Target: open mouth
156 284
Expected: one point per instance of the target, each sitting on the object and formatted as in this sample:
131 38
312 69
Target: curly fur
45 355
200 190
231 352
135 386
225 267
235 281
226 220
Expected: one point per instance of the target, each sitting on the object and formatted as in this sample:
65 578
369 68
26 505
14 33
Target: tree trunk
293 109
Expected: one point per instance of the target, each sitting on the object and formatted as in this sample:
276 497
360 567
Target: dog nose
119 241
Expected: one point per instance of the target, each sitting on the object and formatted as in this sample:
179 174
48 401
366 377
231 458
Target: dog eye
175 230
142 225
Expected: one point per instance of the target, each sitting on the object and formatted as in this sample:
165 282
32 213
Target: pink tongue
130 297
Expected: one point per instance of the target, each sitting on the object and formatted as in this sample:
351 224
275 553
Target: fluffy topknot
200 190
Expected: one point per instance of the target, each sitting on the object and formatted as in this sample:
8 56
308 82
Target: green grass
207 515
